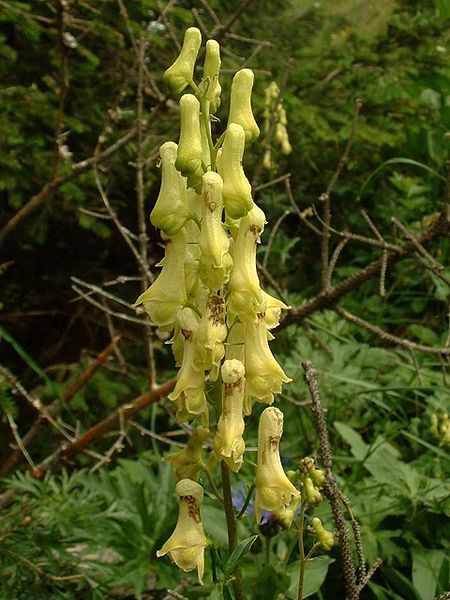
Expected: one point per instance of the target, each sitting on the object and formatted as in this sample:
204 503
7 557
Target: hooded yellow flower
273 488
167 294
186 546
229 444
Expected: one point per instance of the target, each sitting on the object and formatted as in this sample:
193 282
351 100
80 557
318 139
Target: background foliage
91 530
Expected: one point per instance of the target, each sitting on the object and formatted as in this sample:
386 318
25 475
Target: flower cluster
208 296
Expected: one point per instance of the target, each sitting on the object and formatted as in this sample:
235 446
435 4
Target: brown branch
65 451
328 298
77 169
326 199
388 337
330 486
53 409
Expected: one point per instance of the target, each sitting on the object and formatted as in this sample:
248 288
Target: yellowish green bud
167 295
286 515
189 392
186 546
240 104
171 210
237 191
229 444
186 464
311 494
246 298
324 537
273 489
189 155
215 261
318 477
181 72
264 375
210 88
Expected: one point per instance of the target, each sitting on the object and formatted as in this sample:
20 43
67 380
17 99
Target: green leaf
238 552
425 571
358 447
316 570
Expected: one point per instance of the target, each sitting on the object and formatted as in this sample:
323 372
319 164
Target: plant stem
231 527
301 576
246 502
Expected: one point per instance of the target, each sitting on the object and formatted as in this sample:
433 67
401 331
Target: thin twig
388 337
272 235
326 199
330 486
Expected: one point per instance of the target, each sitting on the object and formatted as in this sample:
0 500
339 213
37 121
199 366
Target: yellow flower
181 72
186 546
237 191
189 154
167 294
186 463
215 262
240 104
211 336
273 488
189 392
210 86
246 297
273 310
229 444
264 375
171 211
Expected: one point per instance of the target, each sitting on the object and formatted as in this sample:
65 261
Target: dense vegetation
365 87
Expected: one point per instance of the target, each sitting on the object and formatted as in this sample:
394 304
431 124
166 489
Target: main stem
301 577
231 527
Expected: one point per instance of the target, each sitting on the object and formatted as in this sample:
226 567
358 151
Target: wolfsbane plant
208 295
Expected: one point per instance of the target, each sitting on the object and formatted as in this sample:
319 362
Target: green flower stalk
209 294
181 73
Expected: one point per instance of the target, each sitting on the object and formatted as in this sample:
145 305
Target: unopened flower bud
181 72
324 537
286 515
215 261
273 488
210 88
311 494
237 191
171 211
186 546
240 104
229 444
189 155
